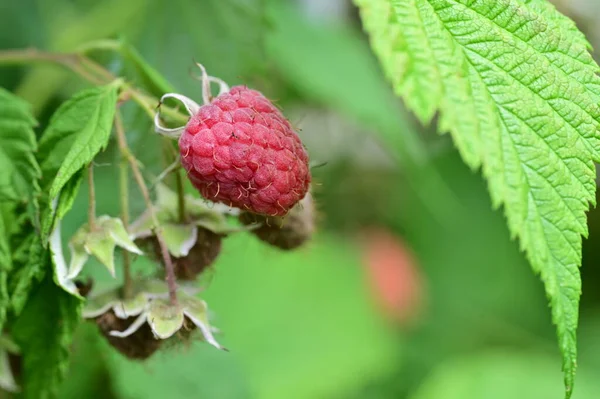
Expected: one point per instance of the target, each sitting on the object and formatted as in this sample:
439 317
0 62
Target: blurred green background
412 288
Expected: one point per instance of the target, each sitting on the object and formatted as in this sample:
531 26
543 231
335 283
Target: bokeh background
412 287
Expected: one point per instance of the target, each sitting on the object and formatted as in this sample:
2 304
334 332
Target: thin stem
102 44
124 189
137 174
180 196
31 55
91 198
173 158
91 71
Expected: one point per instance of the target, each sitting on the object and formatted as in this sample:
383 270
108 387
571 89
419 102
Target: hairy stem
91 198
124 190
137 174
32 55
89 70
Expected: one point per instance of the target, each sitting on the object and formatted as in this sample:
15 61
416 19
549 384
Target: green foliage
30 267
5 268
78 131
20 170
44 332
511 81
516 88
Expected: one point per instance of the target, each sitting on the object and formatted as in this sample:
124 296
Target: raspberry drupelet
240 150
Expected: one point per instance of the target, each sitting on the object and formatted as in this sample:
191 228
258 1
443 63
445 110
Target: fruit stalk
91 198
125 151
124 190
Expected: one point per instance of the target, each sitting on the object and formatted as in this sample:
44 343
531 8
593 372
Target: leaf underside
514 84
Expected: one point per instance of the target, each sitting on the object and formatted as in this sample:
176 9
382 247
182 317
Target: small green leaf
196 310
20 170
101 242
117 232
104 250
131 307
164 319
514 84
44 333
179 238
77 132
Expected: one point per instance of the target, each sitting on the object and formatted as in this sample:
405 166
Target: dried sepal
190 105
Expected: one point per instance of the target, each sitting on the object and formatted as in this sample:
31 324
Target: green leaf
44 332
30 267
164 318
20 170
78 131
99 242
516 88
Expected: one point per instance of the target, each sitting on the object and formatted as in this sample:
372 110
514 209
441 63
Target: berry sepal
100 242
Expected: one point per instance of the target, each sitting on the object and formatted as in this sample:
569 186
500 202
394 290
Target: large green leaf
516 88
78 131
20 170
44 333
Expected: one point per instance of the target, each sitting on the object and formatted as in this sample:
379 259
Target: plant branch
91 198
137 174
92 72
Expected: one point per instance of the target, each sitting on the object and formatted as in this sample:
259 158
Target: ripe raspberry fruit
240 150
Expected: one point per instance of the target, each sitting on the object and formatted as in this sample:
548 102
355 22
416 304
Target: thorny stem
124 189
92 198
137 174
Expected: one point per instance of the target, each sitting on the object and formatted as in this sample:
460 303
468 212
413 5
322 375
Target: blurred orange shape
392 274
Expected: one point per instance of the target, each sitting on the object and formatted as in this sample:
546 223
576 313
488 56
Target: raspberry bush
172 171
237 150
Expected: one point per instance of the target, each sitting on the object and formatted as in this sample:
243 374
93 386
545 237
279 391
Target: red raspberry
241 150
